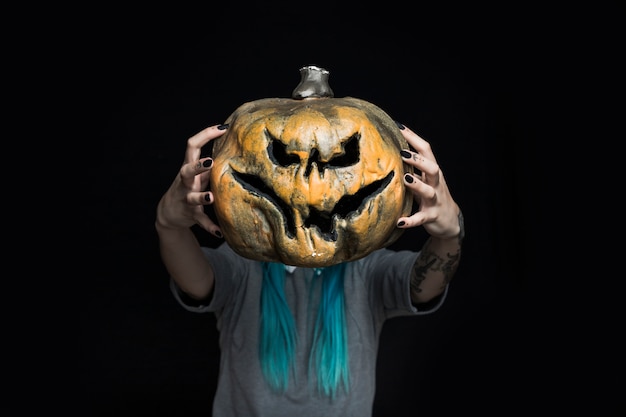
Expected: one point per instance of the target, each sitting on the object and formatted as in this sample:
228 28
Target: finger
189 171
200 139
425 195
428 167
419 188
200 198
207 224
418 144
416 219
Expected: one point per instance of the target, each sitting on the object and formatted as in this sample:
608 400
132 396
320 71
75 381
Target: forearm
435 266
184 260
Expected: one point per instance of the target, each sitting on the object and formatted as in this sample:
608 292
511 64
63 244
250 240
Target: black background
470 84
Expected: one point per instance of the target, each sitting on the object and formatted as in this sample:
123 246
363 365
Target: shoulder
227 262
385 258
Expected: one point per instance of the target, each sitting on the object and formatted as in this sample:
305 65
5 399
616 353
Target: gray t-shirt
376 288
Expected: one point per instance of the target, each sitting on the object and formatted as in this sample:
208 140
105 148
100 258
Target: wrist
461 234
455 236
160 226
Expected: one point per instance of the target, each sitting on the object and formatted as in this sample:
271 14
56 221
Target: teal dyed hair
278 338
329 355
277 328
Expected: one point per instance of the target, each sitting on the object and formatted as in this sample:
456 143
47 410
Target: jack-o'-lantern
311 180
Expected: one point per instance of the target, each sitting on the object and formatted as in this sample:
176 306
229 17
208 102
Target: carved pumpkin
309 181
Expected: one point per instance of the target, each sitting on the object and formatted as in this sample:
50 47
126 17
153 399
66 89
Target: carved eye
277 151
350 154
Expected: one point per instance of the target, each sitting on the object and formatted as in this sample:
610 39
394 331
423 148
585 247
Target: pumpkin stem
313 83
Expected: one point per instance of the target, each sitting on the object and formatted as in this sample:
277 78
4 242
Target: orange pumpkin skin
311 182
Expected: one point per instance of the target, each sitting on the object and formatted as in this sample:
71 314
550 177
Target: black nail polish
400 126
208 163
207 197
223 127
218 233
405 154
401 223
408 178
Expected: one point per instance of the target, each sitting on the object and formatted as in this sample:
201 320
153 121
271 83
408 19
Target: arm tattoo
418 274
430 261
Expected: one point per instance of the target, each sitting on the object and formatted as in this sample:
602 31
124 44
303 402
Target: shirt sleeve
389 273
226 265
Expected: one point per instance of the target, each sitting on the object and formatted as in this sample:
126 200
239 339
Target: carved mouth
322 220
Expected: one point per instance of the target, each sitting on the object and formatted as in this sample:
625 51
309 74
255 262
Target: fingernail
208 163
218 233
400 125
405 154
207 197
401 223
408 178
223 127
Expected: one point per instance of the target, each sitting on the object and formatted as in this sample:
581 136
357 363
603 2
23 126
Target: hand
183 203
438 212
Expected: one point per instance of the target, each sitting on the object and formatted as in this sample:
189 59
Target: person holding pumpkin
304 281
